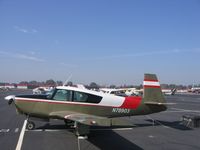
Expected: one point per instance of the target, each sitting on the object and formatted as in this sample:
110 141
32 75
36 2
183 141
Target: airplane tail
152 91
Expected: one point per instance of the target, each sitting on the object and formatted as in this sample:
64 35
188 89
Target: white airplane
195 89
42 90
121 91
169 91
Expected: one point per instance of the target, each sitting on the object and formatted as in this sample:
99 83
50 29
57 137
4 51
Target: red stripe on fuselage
131 102
149 80
151 86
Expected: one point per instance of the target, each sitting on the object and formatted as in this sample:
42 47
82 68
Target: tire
30 125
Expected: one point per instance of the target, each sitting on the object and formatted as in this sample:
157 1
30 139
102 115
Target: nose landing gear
30 125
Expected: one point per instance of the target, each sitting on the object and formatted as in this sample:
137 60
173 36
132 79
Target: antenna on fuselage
70 76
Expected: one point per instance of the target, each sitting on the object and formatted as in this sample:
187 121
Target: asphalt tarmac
157 131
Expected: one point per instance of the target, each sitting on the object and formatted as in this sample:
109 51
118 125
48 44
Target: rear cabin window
62 95
86 98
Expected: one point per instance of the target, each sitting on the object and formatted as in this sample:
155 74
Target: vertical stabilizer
152 90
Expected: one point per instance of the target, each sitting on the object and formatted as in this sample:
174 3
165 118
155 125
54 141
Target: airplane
118 92
85 108
4 88
195 89
42 90
121 91
169 91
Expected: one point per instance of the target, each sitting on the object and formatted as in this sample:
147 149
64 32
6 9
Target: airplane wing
89 119
82 118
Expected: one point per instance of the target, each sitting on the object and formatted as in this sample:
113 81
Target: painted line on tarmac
4 130
191 102
116 129
21 137
186 110
175 111
56 130
16 130
48 130
156 121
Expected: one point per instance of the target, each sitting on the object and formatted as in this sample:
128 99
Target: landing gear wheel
30 125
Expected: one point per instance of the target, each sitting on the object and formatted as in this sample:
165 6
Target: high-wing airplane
121 91
85 108
169 91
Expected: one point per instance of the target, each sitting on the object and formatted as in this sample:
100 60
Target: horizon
106 42
88 84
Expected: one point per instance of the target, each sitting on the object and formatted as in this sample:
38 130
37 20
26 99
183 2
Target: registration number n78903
121 110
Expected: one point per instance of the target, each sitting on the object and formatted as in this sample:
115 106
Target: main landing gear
81 129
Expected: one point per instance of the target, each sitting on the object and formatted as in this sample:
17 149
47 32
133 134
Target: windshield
50 93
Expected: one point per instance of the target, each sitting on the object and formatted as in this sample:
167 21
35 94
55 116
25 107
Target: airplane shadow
109 139
49 126
174 124
102 139
54 127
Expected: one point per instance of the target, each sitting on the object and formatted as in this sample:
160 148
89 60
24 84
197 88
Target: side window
86 98
62 95
80 97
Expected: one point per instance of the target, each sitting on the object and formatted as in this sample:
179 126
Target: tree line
94 85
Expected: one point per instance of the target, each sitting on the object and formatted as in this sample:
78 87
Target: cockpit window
86 97
80 97
76 96
62 95
50 93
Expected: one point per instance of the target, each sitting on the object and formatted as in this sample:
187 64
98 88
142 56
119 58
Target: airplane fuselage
85 107
37 106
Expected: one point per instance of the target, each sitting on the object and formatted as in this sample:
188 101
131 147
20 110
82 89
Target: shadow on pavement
174 124
102 139
108 140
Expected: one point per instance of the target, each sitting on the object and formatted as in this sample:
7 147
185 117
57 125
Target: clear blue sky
105 41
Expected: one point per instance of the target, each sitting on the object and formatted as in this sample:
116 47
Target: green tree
51 82
59 83
69 83
112 86
93 85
